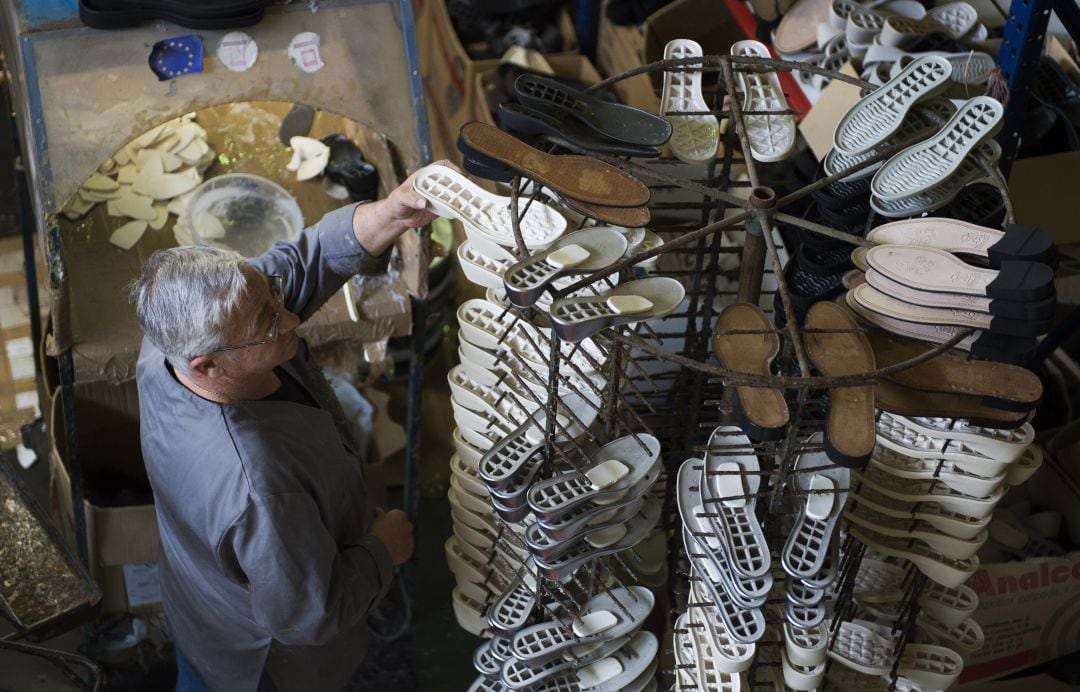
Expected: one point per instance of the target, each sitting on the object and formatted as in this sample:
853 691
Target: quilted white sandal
694 138
860 648
825 488
729 489
772 137
607 615
580 252
926 164
488 326
1003 445
574 319
877 116
486 216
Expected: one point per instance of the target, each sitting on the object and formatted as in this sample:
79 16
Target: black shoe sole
126 18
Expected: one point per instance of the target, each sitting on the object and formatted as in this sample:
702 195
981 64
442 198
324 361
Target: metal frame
682 404
1018 58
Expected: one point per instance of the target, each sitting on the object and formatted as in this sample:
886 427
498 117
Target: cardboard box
1028 611
122 540
449 73
621 48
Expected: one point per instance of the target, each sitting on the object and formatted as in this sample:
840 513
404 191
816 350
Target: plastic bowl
242 212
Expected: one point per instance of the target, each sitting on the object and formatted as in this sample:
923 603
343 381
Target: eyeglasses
277 295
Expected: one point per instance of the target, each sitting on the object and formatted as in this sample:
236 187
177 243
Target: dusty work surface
100 323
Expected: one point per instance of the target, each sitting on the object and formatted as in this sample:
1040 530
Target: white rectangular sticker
141 583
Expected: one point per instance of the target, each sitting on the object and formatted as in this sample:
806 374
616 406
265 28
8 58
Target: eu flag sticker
176 57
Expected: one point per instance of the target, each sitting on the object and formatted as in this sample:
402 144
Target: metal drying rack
675 393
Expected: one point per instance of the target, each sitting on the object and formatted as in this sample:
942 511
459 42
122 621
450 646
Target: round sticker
304 52
237 51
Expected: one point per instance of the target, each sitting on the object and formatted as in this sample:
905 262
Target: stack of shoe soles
533 111
879 38
929 173
498 392
952 385
730 563
916 284
581 314
587 186
194 14
847 212
602 648
605 508
925 502
745 342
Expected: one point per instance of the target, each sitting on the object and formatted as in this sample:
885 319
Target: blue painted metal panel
416 84
1018 58
36 13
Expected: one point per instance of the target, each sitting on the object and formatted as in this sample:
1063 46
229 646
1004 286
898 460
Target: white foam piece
595 623
607 473
567 256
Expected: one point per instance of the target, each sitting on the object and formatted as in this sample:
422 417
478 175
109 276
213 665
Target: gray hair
185 297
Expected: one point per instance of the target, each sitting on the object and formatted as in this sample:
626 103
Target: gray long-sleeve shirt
266 557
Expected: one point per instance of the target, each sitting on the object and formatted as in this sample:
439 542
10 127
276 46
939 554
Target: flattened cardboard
835 101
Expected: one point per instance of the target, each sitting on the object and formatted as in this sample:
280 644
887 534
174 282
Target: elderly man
271 556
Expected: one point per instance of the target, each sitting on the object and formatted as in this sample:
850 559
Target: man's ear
204 366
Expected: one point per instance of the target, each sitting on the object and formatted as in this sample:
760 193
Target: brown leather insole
905 401
850 428
763 407
580 177
950 374
627 217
